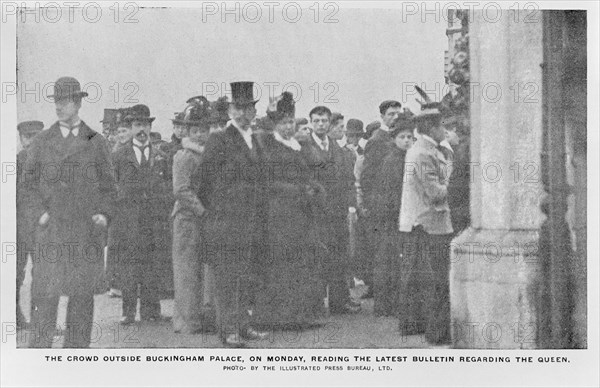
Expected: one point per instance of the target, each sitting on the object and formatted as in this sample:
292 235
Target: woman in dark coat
290 295
390 179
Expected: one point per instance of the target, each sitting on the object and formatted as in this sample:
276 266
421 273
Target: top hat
196 112
29 127
66 88
354 127
111 116
242 93
138 112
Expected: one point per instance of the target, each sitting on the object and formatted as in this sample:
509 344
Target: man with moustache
329 168
230 185
136 238
71 206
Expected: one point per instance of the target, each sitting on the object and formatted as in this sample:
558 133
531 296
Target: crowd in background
248 223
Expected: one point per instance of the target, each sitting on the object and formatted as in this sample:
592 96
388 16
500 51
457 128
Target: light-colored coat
425 189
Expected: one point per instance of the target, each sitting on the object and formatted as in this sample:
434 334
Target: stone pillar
494 266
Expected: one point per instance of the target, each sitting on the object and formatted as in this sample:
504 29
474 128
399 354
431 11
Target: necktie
142 149
324 145
70 128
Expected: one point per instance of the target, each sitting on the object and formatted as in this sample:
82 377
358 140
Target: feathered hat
219 110
196 112
281 106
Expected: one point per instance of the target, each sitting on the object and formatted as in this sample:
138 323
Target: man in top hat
25 230
426 229
136 234
230 187
71 206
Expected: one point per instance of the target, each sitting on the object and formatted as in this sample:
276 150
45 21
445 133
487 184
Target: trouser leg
79 323
43 322
438 257
230 302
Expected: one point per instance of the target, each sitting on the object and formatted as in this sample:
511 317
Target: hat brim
243 102
66 97
133 118
191 123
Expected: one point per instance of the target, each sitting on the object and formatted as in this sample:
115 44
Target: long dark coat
141 207
386 267
72 181
231 187
376 150
331 170
291 271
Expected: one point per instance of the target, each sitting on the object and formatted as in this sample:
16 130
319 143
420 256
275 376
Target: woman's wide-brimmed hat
197 112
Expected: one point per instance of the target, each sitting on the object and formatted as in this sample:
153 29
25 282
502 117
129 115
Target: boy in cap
69 210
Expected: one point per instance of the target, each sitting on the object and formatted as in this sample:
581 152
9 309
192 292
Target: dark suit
330 169
71 179
136 235
376 150
230 186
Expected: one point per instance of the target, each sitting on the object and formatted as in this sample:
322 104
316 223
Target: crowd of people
249 223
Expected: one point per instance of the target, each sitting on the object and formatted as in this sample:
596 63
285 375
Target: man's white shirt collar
246 133
384 127
64 128
320 141
138 152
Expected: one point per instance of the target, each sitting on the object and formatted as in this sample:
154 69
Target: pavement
360 330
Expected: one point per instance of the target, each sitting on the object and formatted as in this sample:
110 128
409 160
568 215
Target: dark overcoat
377 148
331 170
71 181
291 270
141 207
231 187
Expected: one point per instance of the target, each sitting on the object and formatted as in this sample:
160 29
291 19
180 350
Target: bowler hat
67 88
354 127
27 127
242 93
138 112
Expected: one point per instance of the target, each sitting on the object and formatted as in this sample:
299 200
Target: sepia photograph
325 189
